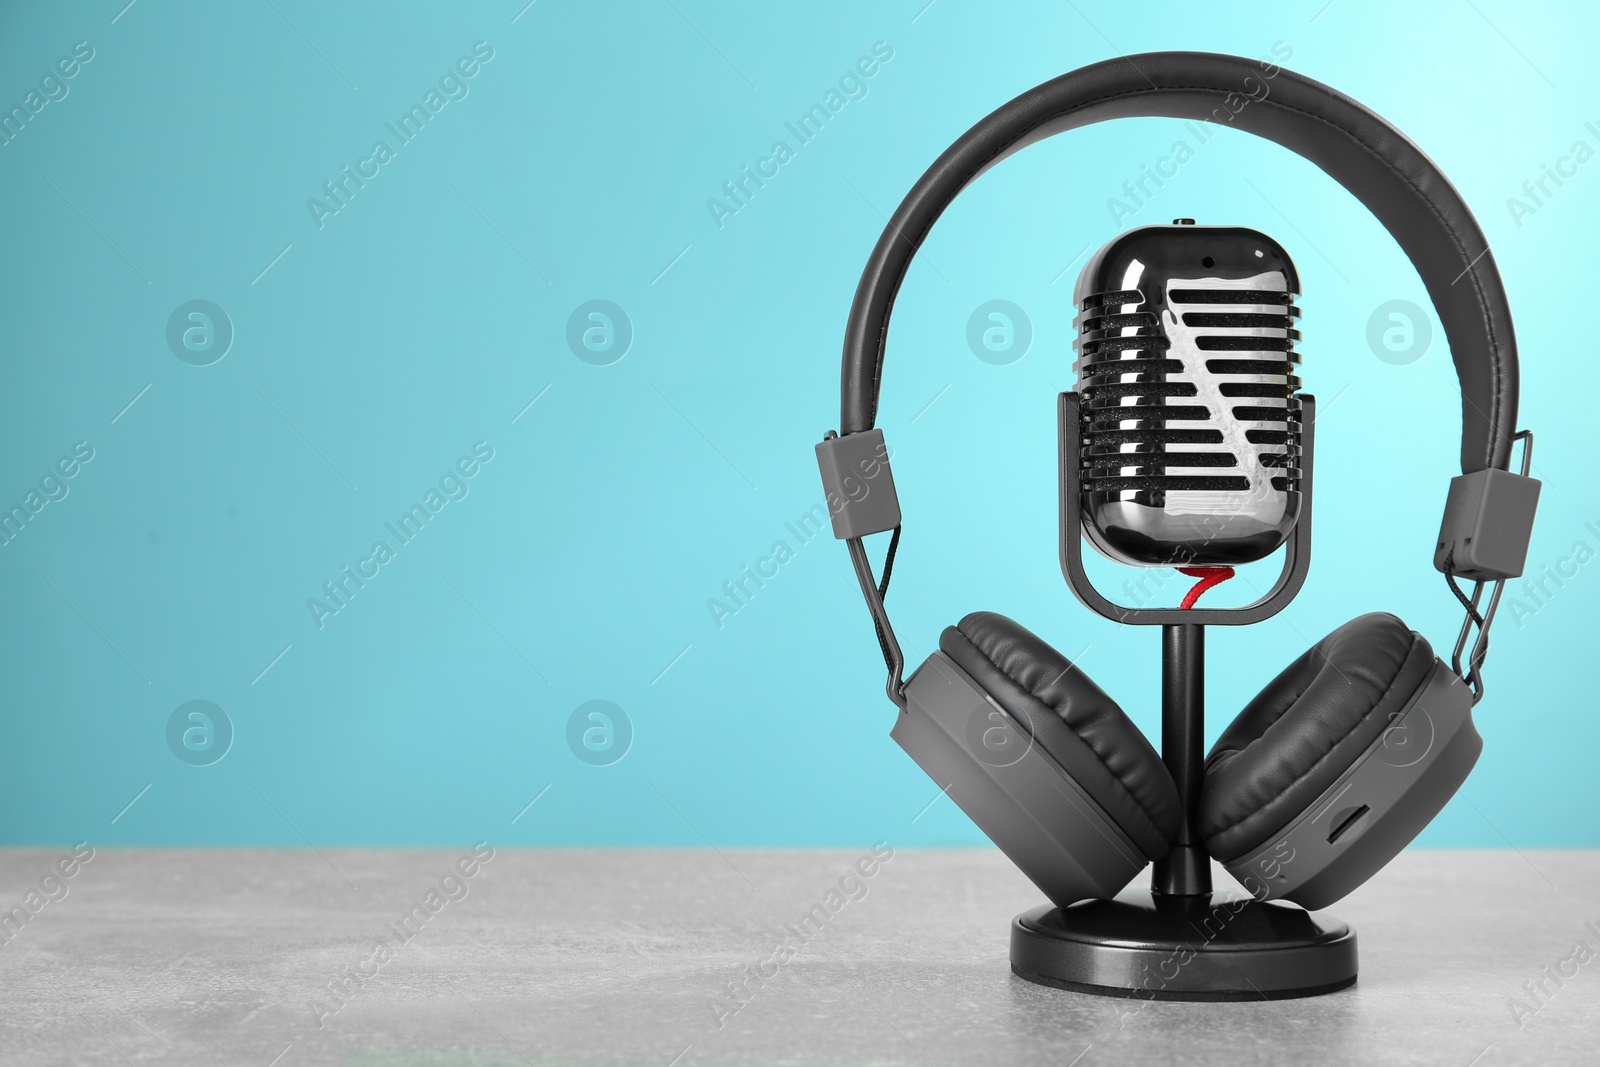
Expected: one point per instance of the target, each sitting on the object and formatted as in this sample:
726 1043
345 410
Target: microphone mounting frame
1297 550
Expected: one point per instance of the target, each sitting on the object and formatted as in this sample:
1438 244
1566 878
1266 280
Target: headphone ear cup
1040 758
1075 722
1319 760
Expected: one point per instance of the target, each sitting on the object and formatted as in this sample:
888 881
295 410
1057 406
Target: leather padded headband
1386 172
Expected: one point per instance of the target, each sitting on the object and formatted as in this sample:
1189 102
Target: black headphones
1303 770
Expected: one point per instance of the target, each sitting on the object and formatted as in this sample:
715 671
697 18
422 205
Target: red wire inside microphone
1209 576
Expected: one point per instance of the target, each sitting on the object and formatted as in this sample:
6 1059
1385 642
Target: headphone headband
1376 162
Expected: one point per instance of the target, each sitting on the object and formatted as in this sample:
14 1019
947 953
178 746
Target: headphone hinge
1496 507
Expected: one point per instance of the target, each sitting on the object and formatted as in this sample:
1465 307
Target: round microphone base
1146 946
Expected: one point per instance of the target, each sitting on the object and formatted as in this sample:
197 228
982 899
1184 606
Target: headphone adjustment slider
858 483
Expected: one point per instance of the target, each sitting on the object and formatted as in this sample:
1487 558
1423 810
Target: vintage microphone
1190 413
1190 444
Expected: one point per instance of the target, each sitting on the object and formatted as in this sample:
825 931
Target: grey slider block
859 484
1488 519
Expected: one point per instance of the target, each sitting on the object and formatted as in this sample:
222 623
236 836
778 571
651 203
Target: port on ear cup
1074 722
1309 726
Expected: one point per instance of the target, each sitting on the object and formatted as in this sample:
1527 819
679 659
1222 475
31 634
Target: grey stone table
296 957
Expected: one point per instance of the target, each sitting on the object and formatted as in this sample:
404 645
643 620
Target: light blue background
429 312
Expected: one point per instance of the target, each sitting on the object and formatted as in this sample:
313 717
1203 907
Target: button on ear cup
1074 721
1305 729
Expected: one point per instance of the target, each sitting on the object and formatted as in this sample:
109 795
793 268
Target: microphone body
1191 418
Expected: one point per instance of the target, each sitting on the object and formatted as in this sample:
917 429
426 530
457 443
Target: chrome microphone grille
1187 370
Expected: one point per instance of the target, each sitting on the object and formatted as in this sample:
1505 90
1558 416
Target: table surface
217 956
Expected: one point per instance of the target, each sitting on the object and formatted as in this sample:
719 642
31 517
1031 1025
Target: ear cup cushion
1305 729
1074 721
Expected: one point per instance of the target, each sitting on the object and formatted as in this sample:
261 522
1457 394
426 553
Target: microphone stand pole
1186 870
